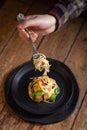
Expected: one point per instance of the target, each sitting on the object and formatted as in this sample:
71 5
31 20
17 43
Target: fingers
34 36
29 22
23 34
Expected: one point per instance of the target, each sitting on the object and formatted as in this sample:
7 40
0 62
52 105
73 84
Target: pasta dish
44 89
41 64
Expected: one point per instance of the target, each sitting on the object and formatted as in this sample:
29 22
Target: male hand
38 25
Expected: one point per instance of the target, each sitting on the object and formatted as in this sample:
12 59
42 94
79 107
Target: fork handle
33 46
21 18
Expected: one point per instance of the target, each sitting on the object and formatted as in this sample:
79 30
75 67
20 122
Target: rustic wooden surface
68 46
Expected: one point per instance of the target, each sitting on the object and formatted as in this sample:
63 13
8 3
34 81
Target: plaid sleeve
66 9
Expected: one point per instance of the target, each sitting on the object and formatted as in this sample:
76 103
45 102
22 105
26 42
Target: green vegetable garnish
37 93
31 84
52 98
57 91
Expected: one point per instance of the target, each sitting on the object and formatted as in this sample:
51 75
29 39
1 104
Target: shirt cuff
59 11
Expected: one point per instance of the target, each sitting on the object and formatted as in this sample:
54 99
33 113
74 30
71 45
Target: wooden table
69 46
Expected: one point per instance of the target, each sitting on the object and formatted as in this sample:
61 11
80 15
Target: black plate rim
43 117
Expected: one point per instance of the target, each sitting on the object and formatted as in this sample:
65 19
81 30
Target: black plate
16 93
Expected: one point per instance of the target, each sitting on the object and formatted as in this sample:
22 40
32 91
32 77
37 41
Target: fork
21 18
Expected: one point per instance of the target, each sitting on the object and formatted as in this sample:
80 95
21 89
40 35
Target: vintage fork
21 18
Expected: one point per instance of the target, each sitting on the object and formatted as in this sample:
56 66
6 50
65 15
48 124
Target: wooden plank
81 121
8 24
8 20
77 60
78 64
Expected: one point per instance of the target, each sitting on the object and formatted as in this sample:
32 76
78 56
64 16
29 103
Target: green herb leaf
31 84
37 93
52 98
57 91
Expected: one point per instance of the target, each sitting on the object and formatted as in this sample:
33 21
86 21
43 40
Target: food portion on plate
43 89
42 64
